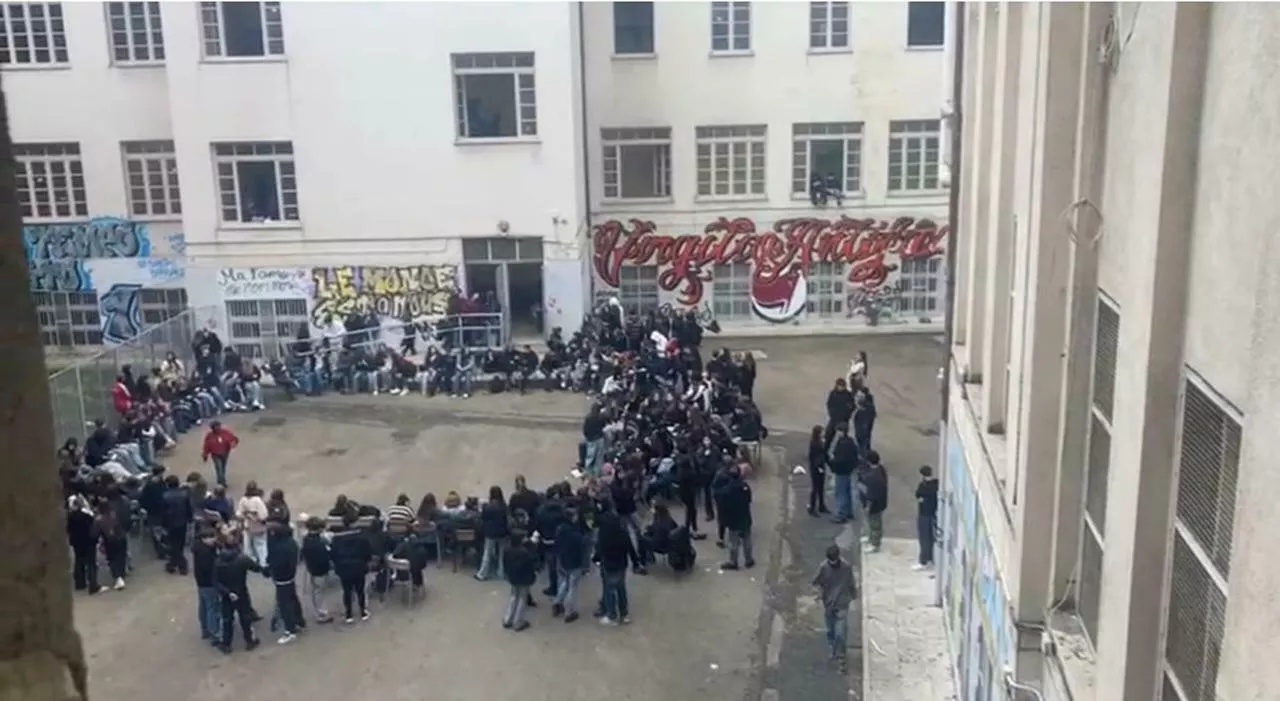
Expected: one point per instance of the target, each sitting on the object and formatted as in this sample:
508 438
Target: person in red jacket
121 396
218 443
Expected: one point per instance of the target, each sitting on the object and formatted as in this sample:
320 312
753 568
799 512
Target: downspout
589 293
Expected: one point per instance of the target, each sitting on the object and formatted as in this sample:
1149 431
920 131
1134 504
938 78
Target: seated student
414 549
464 374
400 517
250 379
402 375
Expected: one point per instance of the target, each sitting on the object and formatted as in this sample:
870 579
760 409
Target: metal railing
475 332
82 393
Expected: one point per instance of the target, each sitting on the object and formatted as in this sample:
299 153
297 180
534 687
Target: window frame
731 24
653 33
153 30
827 34
270 314
283 161
524 83
615 141
638 291
942 34
72 169
731 291
906 136
145 152
708 139
827 291
219 25
54 35
851 139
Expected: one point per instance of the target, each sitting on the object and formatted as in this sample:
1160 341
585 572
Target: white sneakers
286 639
920 568
119 584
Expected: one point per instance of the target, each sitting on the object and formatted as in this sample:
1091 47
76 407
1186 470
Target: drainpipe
588 293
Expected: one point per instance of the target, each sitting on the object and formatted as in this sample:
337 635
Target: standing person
570 560
282 563
688 484
856 376
82 534
734 496
837 589
614 551
817 472
351 552
926 516
278 508
409 342
747 375
231 578
864 419
178 516
593 442
495 529
840 405
218 443
115 542
874 485
843 460
521 568
253 514
204 560
315 556
551 514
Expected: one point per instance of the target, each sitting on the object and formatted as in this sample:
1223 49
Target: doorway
524 299
511 269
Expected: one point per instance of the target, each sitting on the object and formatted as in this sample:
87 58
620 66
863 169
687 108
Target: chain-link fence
82 393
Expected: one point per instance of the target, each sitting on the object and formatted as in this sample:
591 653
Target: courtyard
708 635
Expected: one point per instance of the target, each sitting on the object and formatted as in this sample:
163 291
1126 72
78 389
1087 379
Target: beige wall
1175 143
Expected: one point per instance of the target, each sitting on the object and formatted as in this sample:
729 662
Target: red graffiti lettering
872 249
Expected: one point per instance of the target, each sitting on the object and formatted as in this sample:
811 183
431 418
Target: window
730 27
241 29
495 95
731 161
1208 469
1106 340
731 291
633 28
913 155
638 288
256 181
260 328
68 319
828 25
135 31
833 149
34 34
152 172
160 305
637 163
511 249
826 290
926 24
919 283
50 181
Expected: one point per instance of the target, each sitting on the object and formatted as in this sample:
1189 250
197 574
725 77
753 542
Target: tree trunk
40 654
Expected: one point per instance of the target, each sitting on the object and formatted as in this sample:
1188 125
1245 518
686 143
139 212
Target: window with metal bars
1106 340
1090 585
826 282
160 305
135 31
261 328
731 288
1098 466
638 288
1207 475
1196 620
68 319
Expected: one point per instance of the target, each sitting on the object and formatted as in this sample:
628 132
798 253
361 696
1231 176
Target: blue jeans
844 496
491 559
209 612
219 469
567 593
462 382
594 454
837 630
614 588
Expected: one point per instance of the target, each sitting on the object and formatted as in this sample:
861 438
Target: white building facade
1107 529
274 163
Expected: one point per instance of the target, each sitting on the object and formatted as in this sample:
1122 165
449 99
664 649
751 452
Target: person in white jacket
251 510
857 375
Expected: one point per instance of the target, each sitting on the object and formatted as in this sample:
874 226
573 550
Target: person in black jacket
864 419
230 578
817 472
351 553
622 492
926 515
840 406
83 537
204 559
734 495
874 486
570 554
494 527
282 565
178 516
521 566
546 522
315 557
593 441
151 500
843 460
614 551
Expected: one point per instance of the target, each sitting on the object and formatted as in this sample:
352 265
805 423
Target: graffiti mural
389 292
56 252
781 257
265 283
121 312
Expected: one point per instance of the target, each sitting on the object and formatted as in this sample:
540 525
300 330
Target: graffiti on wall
389 292
121 312
265 283
781 258
56 252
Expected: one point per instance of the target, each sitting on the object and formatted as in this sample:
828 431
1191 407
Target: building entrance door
510 269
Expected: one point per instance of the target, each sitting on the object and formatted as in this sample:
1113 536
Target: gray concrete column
1000 246
974 209
1167 80
964 238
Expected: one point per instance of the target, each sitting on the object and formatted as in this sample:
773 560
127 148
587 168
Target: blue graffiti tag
121 312
55 252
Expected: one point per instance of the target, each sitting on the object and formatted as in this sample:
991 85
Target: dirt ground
708 635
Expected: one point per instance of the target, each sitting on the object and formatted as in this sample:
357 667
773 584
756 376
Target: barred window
731 285
638 288
261 328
